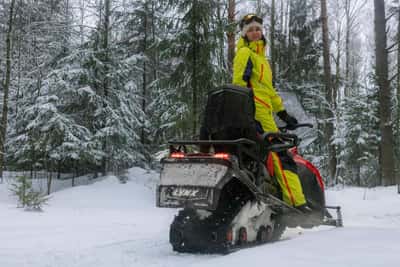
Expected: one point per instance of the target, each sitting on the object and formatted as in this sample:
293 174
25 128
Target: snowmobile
227 195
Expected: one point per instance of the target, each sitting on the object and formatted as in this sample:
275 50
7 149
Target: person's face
254 33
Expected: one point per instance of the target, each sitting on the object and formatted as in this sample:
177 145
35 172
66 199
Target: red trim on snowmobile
270 165
299 160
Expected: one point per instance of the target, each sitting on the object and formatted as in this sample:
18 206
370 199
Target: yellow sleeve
239 66
277 104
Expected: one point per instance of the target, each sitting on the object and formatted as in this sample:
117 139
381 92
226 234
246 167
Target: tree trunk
67 36
398 94
332 161
385 124
3 127
155 54
19 69
105 45
144 75
281 41
347 48
272 36
105 48
194 72
258 7
49 181
231 33
290 40
337 65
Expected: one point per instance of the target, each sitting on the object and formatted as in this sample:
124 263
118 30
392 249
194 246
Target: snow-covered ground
112 224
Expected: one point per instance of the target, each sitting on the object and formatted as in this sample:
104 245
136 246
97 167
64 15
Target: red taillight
221 156
177 155
242 235
229 235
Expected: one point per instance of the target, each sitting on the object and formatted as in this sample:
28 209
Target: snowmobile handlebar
277 142
299 125
282 140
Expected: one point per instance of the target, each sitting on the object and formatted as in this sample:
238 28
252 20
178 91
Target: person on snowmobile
251 69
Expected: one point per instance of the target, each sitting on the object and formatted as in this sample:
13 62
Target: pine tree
41 31
27 197
298 55
4 118
195 71
361 137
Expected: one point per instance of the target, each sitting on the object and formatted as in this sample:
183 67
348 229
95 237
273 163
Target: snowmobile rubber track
227 249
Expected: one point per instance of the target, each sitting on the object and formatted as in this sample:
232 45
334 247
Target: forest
93 86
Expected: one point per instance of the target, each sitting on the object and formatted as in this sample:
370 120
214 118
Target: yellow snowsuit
251 69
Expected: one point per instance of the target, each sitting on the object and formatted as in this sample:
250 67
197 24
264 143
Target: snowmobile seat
229 115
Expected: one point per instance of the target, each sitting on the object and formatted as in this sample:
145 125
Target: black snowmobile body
224 206
227 198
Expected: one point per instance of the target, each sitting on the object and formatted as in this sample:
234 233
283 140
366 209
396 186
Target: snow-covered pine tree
143 30
40 38
193 48
303 49
70 119
27 197
84 113
6 87
394 72
298 69
116 114
359 145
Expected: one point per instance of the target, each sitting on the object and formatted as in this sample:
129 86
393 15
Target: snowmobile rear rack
212 142
244 147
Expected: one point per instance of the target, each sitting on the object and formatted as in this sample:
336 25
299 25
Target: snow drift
114 224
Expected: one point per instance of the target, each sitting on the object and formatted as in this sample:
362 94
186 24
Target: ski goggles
249 19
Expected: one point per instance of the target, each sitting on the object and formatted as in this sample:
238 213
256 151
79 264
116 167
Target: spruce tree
195 70
27 197
359 152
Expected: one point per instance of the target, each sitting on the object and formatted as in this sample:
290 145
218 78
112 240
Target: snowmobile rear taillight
177 155
229 235
242 235
221 156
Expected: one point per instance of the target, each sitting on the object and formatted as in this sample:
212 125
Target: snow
251 216
113 224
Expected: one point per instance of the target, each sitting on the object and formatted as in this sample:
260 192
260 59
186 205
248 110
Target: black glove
291 122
